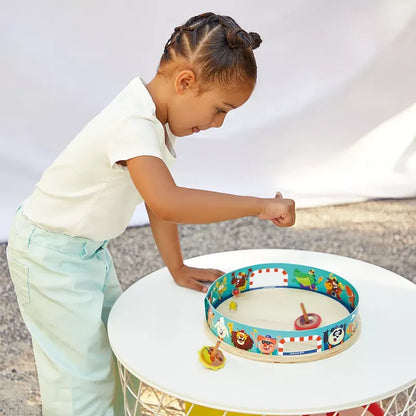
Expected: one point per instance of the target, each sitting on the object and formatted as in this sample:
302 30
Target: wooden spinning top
211 357
307 320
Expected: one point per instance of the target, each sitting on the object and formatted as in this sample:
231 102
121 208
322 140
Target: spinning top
211 357
307 320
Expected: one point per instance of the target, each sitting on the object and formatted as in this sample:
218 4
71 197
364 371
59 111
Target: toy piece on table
307 320
211 357
232 306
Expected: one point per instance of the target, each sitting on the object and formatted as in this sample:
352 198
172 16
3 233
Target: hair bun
255 40
239 38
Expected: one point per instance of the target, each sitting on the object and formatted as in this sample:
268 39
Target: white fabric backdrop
332 119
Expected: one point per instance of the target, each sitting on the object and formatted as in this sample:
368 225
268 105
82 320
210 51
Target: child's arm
167 241
183 205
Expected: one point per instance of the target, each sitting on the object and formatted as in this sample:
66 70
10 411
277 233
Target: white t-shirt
85 192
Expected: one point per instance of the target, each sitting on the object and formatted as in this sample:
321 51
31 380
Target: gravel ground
380 232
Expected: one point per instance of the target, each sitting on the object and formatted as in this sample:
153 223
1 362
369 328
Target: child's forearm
184 205
167 241
194 206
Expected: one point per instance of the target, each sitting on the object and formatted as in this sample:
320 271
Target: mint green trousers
65 287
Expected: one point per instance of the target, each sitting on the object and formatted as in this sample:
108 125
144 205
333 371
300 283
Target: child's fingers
206 275
277 222
192 283
285 220
280 223
278 195
199 286
210 275
196 277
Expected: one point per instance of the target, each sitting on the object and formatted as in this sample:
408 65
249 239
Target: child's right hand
279 211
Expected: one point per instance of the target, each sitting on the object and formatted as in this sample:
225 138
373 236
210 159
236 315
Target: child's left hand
192 277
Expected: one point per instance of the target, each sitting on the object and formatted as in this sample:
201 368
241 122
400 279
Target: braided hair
219 51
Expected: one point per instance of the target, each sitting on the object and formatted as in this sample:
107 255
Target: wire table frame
140 399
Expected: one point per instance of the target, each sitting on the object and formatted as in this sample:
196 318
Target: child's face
192 112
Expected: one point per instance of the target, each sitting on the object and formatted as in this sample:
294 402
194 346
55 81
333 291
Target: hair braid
216 47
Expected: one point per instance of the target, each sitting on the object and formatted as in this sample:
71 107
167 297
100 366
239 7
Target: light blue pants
65 287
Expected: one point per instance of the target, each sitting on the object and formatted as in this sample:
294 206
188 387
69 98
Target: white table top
156 329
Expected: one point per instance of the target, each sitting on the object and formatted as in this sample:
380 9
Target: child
59 263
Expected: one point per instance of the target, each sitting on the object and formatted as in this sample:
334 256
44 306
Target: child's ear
185 80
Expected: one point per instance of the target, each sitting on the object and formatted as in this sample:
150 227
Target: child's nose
218 120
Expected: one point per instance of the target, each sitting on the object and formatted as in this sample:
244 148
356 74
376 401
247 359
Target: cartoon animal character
240 282
210 317
221 287
242 340
334 336
351 296
333 287
307 280
265 344
352 326
222 330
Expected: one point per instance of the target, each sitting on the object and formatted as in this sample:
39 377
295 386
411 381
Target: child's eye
220 110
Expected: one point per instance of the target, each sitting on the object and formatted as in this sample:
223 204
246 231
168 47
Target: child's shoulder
135 95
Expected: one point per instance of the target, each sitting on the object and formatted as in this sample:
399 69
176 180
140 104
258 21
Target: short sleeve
135 136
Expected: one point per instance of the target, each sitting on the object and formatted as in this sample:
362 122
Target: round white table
156 329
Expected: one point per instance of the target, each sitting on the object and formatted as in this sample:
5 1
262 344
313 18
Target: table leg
141 399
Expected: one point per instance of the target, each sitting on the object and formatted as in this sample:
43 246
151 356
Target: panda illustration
334 336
